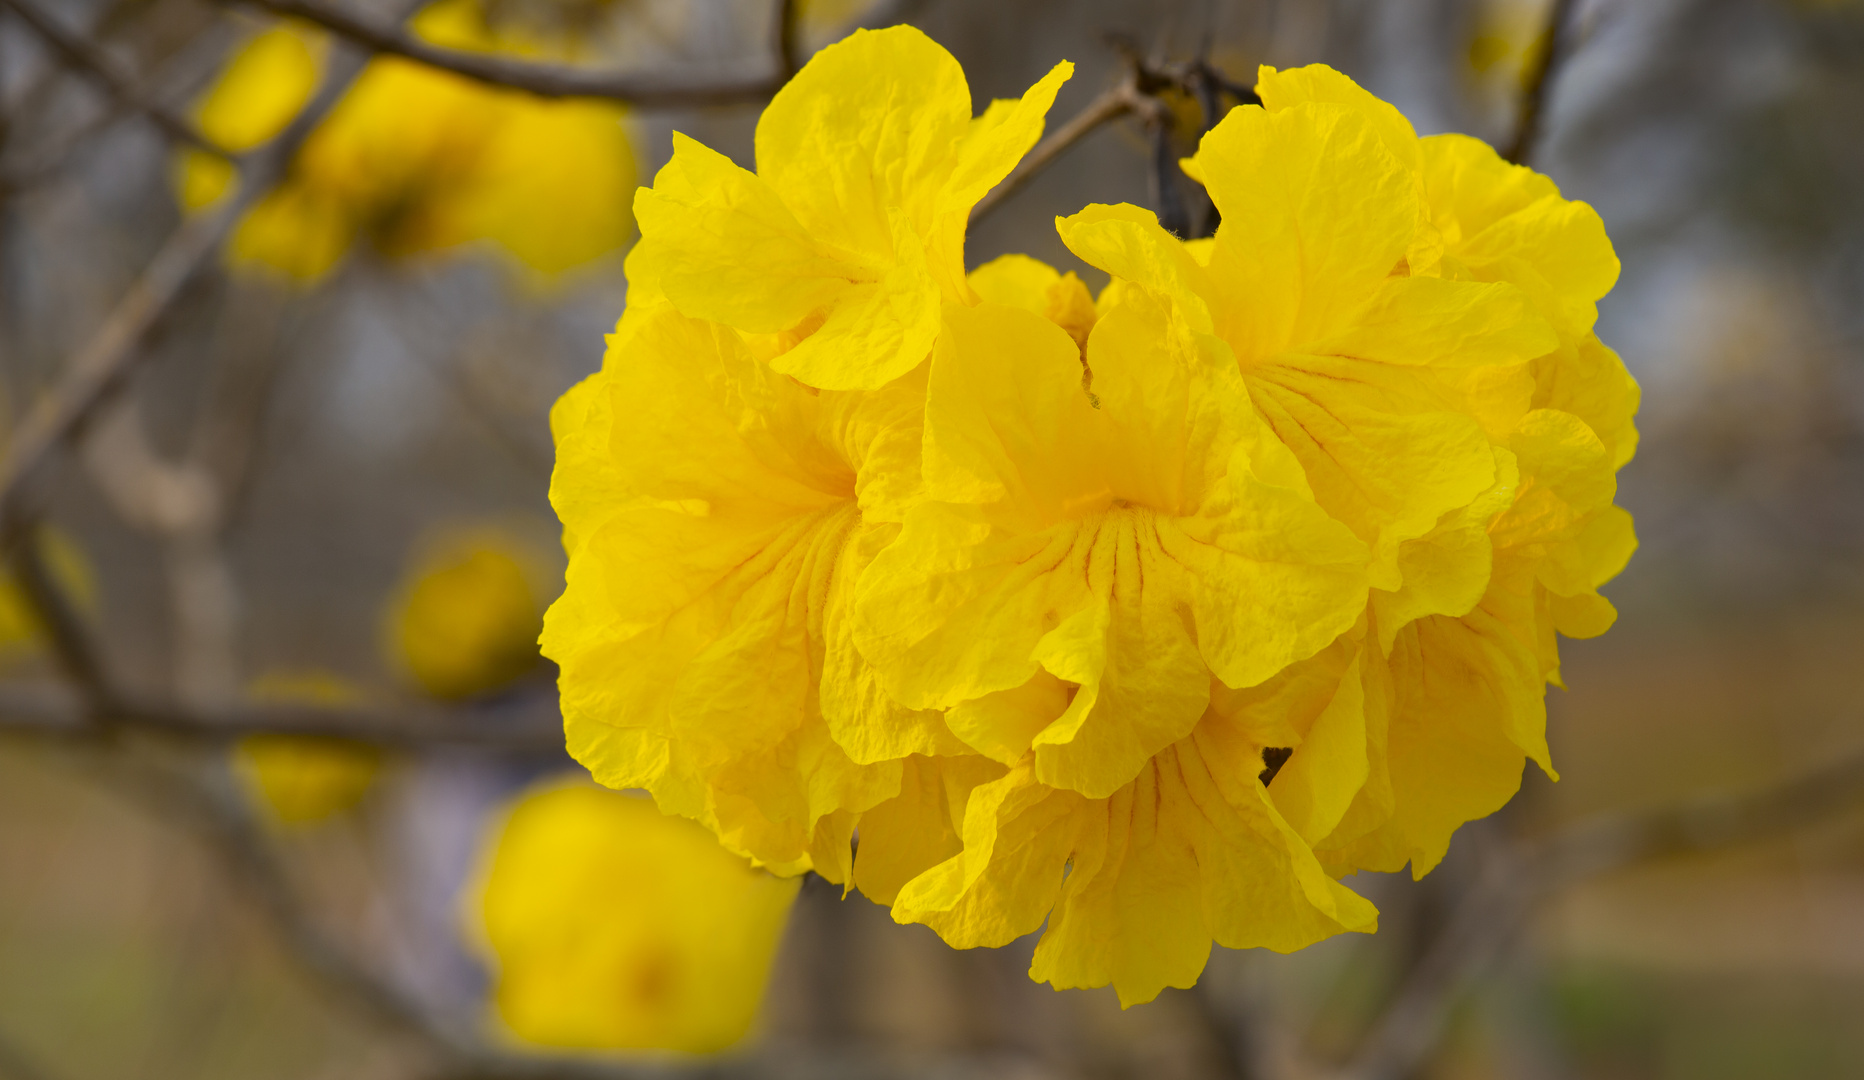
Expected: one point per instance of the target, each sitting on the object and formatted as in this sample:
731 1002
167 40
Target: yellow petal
729 249
870 126
920 828
1316 213
1319 83
875 332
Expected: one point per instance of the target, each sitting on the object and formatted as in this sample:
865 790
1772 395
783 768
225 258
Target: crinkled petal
872 125
1316 214
1319 83
875 332
729 250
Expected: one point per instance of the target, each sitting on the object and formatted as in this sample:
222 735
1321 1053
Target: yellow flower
611 926
1143 617
415 159
716 534
1466 681
1084 570
1413 317
466 620
842 245
712 544
302 780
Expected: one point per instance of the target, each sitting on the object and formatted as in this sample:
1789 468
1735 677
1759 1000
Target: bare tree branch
880 14
644 89
64 629
222 816
788 47
1522 875
1110 106
529 726
1538 81
104 69
94 371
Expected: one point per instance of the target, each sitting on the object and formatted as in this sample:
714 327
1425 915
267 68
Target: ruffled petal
1319 83
871 126
1316 214
729 250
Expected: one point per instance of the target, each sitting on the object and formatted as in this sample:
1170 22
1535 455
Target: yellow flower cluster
611 926
415 159
1143 618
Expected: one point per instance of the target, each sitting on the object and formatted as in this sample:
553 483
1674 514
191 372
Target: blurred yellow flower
825 15
302 780
1507 34
414 159
466 618
613 926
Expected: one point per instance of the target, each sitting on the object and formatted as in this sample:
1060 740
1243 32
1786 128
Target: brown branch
47 164
1525 874
94 371
123 86
59 619
530 728
788 47
881 14
647 90
1556 48
1115 103
204 795
221 816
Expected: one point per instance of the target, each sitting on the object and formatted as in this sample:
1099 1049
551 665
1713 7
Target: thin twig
1556 48
647 90
527 726
104 69
48 163
181 73
882 13
420 343
91 374
1515 880
63 627
1110 106
223 817
788 46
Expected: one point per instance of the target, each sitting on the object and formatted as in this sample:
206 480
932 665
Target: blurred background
320 492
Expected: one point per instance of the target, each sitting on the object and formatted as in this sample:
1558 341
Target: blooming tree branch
199 793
